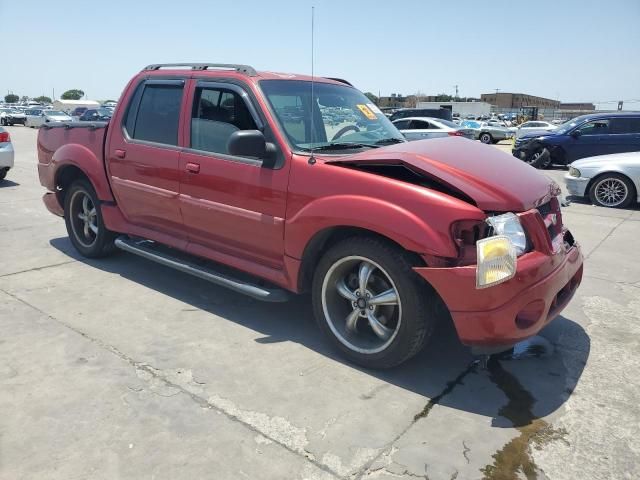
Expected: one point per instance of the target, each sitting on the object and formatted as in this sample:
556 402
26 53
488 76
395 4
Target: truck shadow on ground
8 183
445 372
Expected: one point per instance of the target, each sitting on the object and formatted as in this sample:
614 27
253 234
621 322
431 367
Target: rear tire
402 322
83 219
486 138
3 173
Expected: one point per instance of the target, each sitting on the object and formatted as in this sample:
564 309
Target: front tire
486 138
371 304
83 219
612 190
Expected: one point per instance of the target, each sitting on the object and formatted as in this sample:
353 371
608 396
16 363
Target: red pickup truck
271 183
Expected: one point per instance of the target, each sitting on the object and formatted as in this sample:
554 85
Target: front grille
552 216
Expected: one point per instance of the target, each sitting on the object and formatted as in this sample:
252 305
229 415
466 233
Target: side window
402 124
217 113
419 125
156 119
625 125
596 127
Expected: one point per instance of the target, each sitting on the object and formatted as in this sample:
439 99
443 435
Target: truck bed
68 140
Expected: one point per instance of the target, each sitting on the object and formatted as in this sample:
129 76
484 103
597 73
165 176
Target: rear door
231 206
422 129
625 134
143 157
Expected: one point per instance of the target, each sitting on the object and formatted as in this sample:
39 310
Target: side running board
173 259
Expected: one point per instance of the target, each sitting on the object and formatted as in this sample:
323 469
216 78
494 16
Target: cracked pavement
120 369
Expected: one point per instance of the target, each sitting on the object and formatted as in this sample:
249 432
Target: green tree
443 97
43 99
73 94
371 97
11 98
24 98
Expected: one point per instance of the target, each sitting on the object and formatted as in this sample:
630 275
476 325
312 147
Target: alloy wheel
83 218
611 192
361 304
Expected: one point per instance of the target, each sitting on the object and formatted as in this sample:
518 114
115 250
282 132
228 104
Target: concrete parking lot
121 368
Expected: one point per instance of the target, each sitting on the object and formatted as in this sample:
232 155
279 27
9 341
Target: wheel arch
324 239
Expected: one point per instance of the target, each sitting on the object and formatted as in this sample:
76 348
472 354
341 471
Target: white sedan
421 128
534 126
608 180
37 116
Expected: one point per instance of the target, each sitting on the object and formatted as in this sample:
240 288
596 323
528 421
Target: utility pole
456 87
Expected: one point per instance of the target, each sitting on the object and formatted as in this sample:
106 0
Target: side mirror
576 133
249 143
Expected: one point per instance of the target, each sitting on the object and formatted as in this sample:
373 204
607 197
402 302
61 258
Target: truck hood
494 180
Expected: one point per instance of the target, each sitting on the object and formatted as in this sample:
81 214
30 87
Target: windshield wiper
342 146
389 141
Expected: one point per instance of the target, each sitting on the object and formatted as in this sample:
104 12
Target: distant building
518 100
463 109
577 106
394 101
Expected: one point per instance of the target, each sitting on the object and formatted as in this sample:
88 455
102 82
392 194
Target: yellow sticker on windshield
366 111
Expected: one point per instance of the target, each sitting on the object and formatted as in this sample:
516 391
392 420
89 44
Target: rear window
156 119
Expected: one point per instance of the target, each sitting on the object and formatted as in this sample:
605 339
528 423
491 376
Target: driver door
592 139
231 206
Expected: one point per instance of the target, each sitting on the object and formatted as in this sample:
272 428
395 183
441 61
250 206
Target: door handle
193 167
120 153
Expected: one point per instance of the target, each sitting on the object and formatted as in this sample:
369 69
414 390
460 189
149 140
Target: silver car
421 128
487 133
6 153
608 180
36 117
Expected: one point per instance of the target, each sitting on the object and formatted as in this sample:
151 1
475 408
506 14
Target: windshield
56 113
341 115
471 124
103 112
565 127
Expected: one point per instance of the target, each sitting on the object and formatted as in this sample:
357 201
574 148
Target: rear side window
156 119
625 125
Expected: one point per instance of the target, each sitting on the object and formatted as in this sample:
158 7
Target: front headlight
509 226
574 172
497 261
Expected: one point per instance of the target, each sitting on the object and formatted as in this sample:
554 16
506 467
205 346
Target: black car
443 113
96 115
584 136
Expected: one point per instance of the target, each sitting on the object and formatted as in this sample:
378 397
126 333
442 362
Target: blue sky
571 50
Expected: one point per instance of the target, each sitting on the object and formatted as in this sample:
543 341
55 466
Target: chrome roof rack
246 69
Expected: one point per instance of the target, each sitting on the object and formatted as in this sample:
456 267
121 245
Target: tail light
456 133
4 137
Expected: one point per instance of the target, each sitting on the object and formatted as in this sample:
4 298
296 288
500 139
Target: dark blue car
585 136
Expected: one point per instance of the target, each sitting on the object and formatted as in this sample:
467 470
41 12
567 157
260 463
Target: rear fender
79 156
386 219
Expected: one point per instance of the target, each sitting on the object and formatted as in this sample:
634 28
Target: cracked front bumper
517 309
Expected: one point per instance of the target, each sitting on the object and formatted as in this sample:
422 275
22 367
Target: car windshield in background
565 127
56 113
342 116
104 112
471 124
